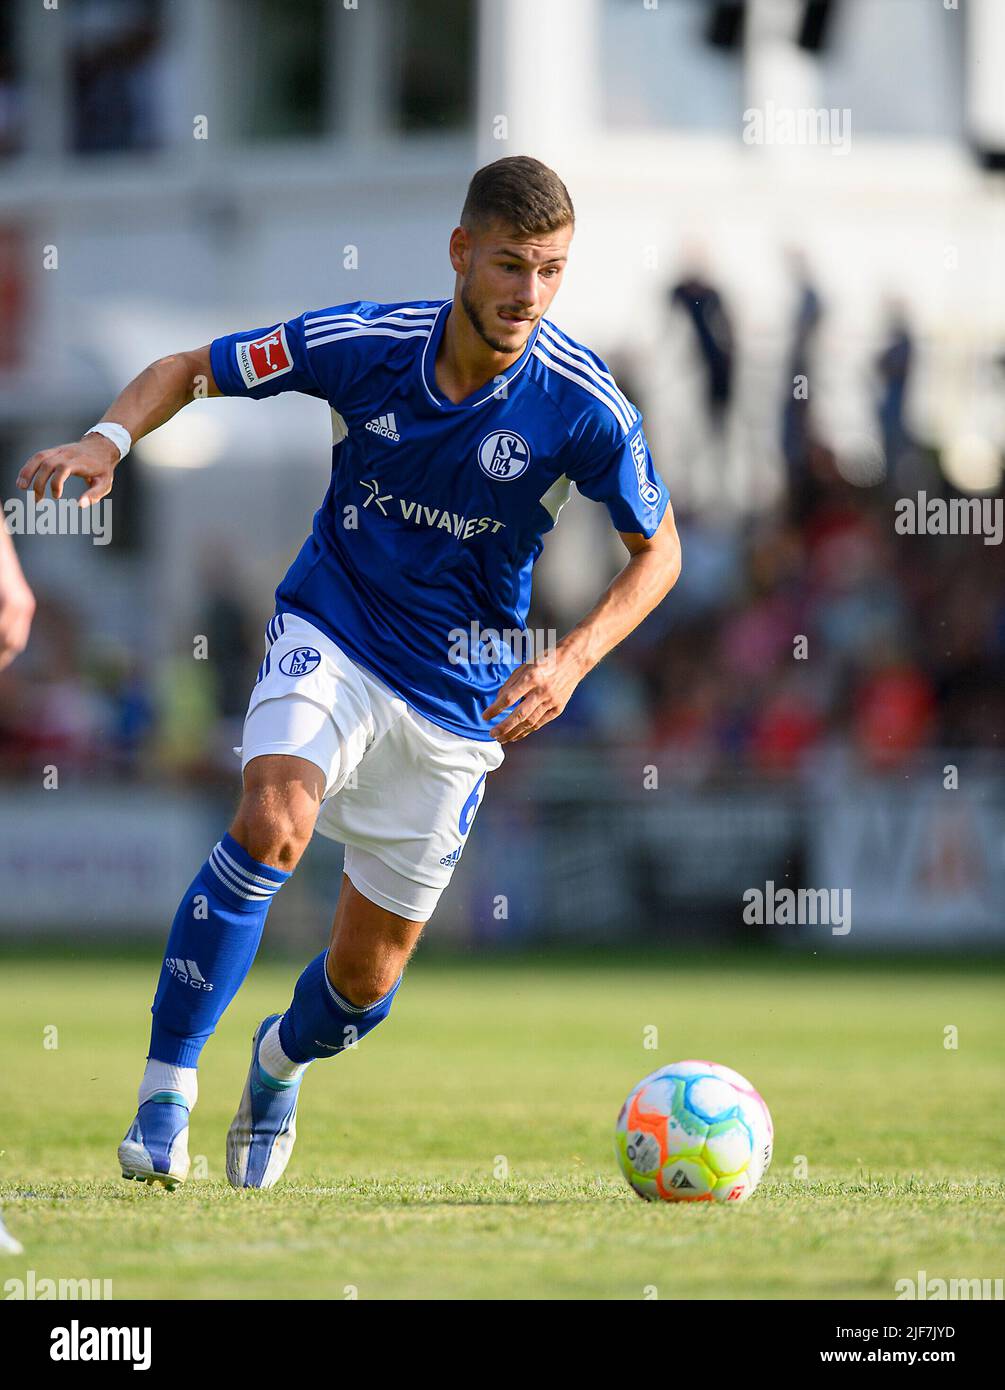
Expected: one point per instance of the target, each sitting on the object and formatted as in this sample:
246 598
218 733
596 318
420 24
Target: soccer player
388 689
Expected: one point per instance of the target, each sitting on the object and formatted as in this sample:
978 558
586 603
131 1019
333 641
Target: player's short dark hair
521 193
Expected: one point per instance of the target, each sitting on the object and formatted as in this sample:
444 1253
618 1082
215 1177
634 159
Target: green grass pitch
465 1149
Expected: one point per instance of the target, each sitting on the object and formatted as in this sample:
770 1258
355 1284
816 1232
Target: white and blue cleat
262 1133
155 1148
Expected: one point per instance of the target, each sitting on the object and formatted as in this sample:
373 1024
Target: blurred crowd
816 625
813 624
85 704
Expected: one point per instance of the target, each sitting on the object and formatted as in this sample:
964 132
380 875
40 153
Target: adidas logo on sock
186 972
385 426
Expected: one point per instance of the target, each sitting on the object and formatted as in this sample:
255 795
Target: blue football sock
320 1022
213 941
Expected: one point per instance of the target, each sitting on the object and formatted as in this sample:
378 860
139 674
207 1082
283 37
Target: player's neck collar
497 387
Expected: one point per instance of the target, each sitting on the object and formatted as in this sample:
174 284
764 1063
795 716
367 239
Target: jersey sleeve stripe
403 316
569 352
624 419
366 333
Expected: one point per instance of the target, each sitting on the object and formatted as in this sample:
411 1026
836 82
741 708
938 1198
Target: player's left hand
541 689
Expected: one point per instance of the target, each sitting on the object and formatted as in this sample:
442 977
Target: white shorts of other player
400 792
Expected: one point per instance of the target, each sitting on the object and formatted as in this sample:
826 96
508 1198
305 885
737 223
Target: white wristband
118 434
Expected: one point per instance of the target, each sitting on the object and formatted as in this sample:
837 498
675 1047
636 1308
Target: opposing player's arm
17 603
150 400
543 687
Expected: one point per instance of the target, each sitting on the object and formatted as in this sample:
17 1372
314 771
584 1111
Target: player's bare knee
273 832
360 982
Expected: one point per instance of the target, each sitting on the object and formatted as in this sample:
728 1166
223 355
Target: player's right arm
150 400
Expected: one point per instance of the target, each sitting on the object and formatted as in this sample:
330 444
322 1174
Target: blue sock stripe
235 883
252 880
244 876
265 873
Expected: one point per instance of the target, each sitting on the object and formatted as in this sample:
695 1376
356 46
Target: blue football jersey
436 512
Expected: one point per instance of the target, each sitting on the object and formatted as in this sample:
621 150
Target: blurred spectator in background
54 712
10 100
797 425
893 368
232 637
233 641
186 723
115 61
13 296
130 709
703 304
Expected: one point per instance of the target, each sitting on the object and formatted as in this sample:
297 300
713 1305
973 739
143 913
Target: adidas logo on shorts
385 426
449 860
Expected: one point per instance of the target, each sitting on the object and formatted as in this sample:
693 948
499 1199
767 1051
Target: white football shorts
400 792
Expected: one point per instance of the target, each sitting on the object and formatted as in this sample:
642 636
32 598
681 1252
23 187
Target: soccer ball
694 1132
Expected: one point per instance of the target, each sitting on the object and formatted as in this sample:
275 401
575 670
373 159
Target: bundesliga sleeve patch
264 358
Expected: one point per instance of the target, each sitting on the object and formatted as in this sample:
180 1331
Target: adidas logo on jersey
449 860
385 426
186 972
